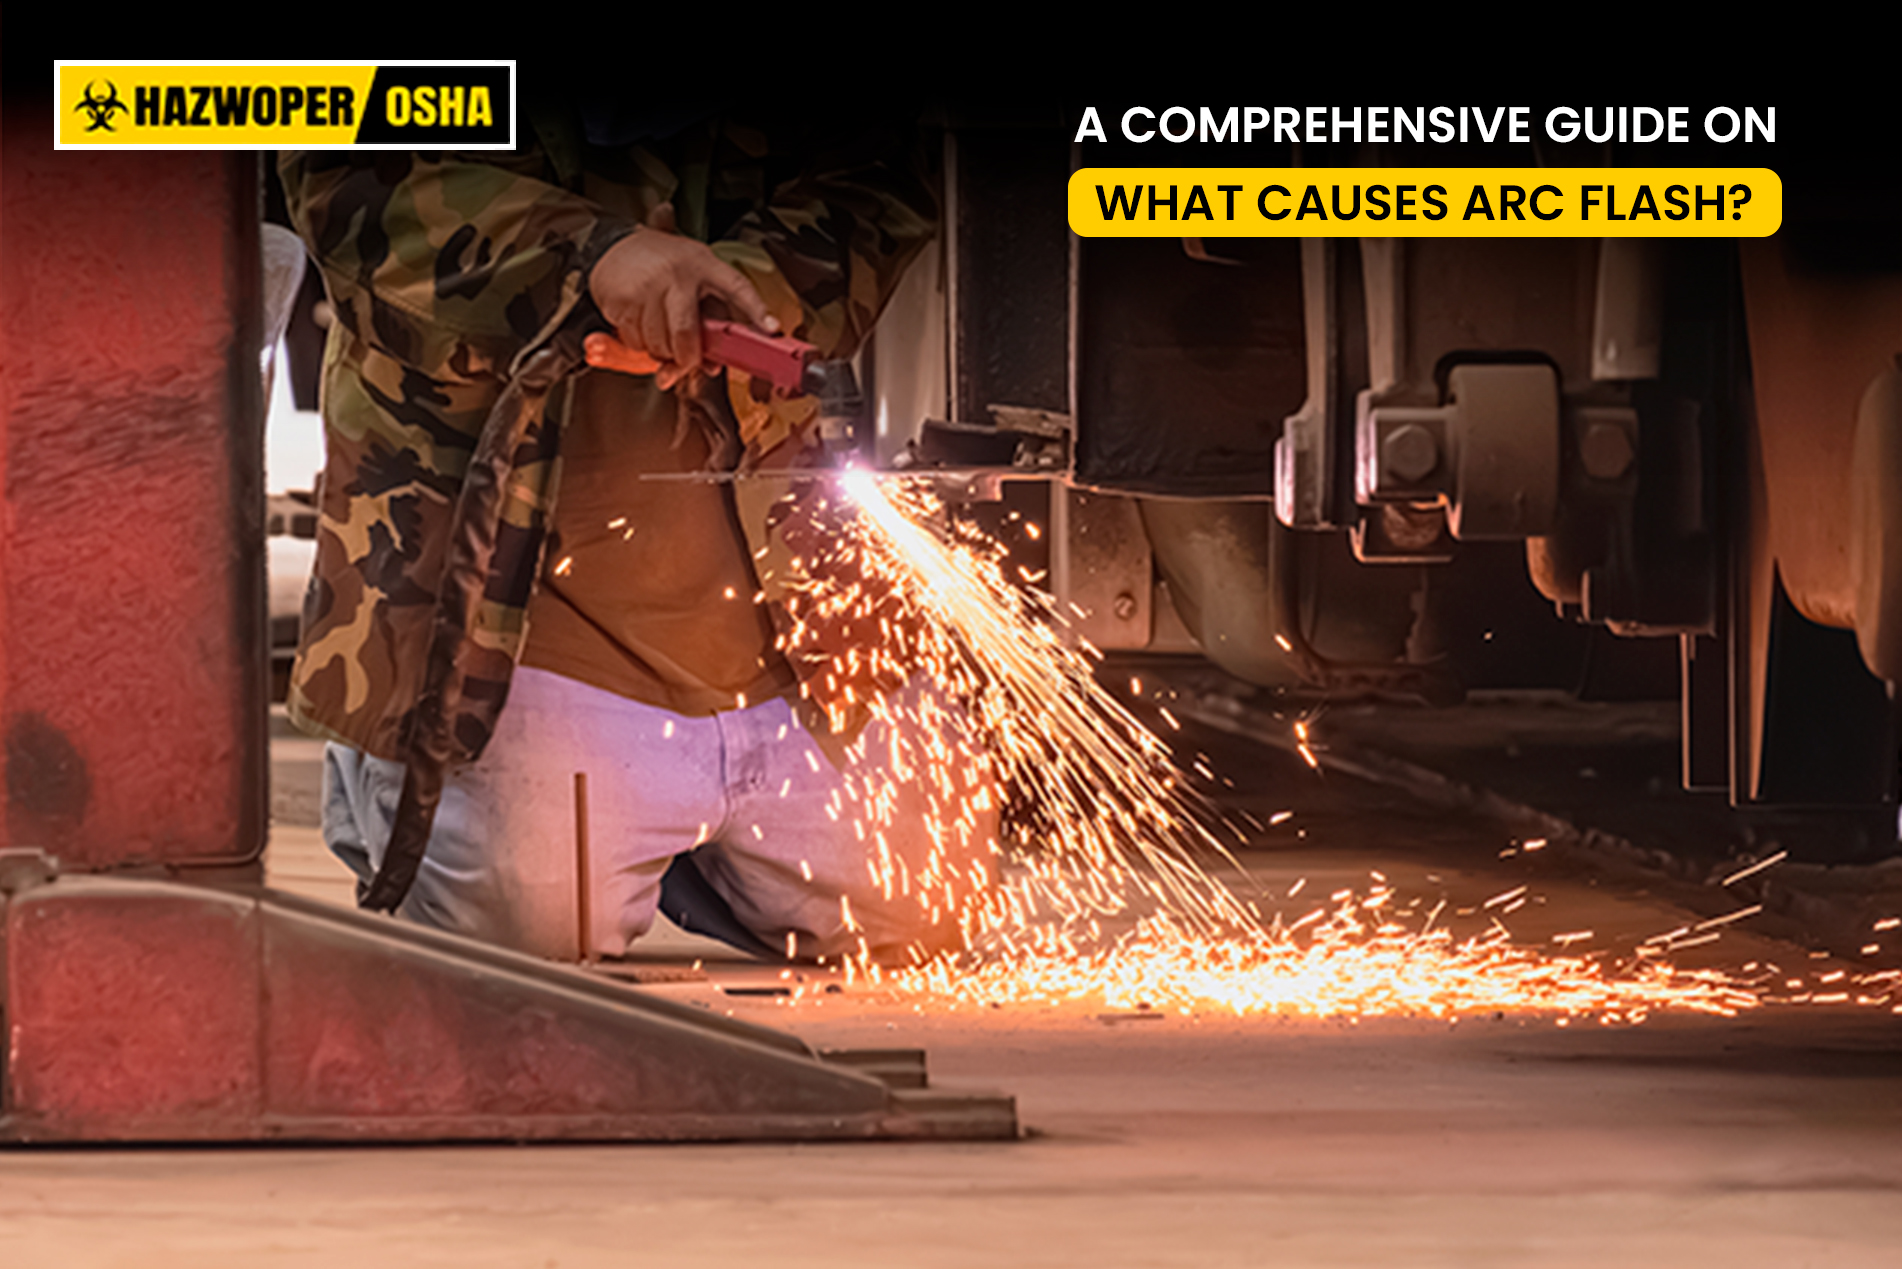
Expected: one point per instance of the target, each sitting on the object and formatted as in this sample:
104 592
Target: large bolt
1606 451
1124 606
1409 453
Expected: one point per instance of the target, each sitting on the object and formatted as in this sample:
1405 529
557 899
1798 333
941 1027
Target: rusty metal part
132 581
155 1011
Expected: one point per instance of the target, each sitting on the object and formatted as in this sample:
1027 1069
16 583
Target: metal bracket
1490 454
158 1011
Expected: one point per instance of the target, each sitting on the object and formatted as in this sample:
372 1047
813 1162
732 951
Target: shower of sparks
1106 825
1102 889
1351 962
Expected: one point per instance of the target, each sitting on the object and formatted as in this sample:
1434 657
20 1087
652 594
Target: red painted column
132 643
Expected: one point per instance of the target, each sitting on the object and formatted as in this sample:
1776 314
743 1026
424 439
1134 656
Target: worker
655 715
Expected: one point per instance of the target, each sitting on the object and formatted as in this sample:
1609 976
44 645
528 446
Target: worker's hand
651 285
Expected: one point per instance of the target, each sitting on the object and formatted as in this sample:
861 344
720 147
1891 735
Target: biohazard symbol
101 108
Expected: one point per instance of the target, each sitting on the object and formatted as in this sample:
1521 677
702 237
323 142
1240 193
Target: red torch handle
779 359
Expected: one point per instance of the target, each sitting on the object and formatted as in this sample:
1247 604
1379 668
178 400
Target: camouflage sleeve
443 261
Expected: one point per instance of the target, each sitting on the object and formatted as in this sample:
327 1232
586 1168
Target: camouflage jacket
458 285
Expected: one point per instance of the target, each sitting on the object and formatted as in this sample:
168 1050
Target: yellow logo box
271 105
1473 202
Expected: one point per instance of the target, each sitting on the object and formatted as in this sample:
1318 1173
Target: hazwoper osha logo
271 105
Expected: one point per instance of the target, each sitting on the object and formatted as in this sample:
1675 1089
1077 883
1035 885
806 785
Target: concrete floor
1770 1139
1768 1142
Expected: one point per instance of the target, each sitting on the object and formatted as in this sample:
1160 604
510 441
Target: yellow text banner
1372 202
212 105
268 105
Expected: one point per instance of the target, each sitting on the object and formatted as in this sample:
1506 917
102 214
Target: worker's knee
894 889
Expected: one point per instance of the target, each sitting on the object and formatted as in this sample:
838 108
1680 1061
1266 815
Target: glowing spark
567 563
1280 817
1726 919
1756 868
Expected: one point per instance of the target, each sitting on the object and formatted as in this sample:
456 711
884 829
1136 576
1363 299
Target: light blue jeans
749 787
